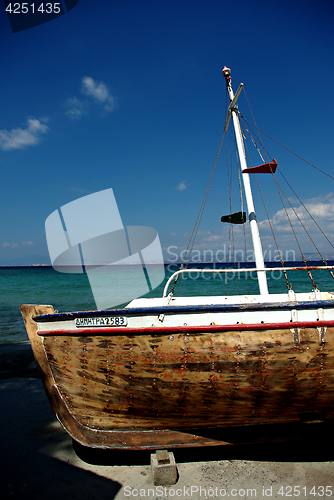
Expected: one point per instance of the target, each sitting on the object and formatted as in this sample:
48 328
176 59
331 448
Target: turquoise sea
72 292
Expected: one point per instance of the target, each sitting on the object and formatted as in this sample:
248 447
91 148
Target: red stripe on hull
179 329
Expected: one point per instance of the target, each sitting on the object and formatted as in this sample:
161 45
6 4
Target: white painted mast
233 110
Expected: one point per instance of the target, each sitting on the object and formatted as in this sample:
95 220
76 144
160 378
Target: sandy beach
38 459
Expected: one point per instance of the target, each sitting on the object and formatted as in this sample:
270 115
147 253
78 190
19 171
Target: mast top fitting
226 71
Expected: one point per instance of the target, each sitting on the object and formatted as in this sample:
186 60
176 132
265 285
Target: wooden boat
162 372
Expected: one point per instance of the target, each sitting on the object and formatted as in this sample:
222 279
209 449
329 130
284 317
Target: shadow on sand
271 443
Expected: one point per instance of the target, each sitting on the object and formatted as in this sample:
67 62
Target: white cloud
320 208
182 186
75 107
322 211
20 138
9 245
99 91
94 91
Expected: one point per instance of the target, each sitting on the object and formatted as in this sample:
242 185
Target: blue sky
129 95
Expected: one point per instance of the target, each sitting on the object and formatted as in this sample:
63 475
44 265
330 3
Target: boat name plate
101 321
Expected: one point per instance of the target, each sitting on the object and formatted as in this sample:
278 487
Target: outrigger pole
233 110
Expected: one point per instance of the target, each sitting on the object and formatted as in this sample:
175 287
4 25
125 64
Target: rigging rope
259 137
229 191
288 284
315 222
282 145
243 225
198 221
279 189
315 246
230 246
231 229
187 254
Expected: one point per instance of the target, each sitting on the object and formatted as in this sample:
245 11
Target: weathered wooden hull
123 389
